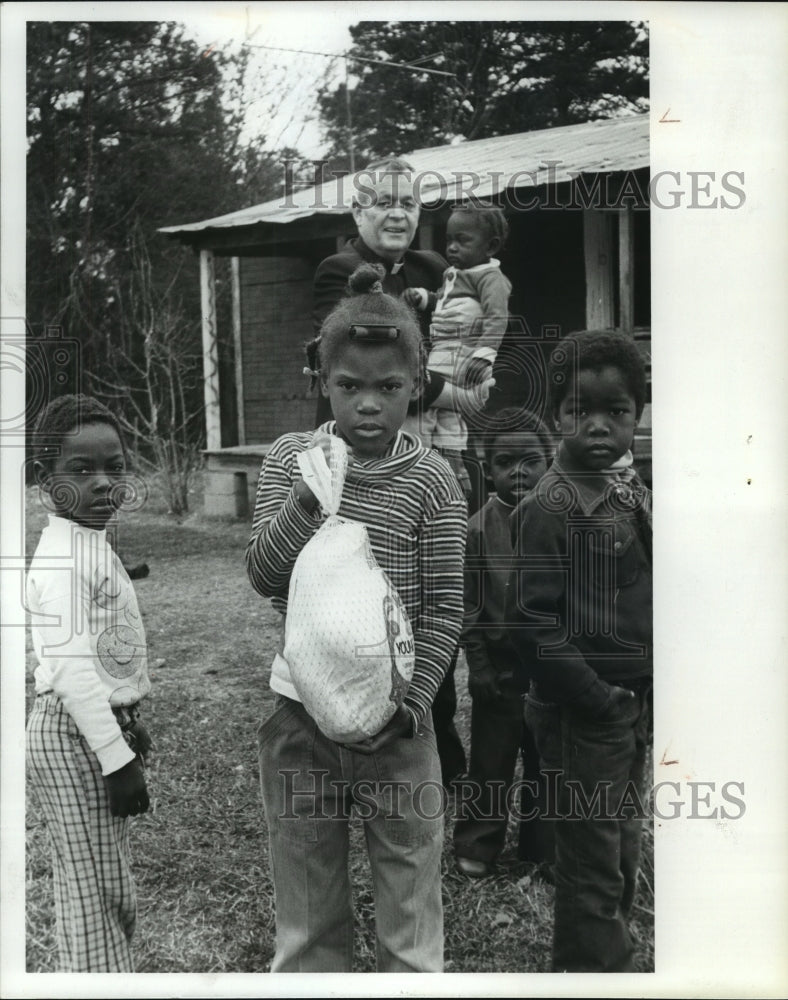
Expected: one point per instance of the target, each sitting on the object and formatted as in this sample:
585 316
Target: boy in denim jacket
580 612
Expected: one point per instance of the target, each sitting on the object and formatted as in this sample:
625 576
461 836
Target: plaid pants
95 902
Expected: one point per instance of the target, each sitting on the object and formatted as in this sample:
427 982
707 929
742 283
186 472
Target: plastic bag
348 641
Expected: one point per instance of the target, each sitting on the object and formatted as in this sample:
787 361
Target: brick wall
276 307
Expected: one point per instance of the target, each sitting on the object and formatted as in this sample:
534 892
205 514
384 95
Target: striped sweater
416 519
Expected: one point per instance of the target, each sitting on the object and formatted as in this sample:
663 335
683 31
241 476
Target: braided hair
366 304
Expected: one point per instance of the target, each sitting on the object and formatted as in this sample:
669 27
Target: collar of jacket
590 489
492 264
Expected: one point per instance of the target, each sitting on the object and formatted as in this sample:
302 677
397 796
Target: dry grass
200 853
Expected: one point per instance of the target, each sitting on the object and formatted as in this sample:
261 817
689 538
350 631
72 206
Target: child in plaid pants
85 744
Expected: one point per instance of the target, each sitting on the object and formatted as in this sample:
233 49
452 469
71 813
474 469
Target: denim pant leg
307 817
596 851
496 731
633 820
535 830
404 841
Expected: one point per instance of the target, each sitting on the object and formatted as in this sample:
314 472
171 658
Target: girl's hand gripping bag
348 641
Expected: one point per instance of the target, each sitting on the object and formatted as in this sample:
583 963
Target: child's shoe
474 868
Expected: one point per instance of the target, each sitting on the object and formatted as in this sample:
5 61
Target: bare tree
152 378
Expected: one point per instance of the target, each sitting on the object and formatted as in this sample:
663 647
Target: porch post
235 266
626 285
210 352
597 248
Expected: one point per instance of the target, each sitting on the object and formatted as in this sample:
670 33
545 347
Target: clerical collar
366 253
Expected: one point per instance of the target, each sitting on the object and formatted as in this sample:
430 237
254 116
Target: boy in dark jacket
519 449
580 612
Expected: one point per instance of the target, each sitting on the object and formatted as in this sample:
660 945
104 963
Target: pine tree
509 76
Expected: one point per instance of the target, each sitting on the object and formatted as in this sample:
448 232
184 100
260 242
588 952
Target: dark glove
128 794
483 686
138 738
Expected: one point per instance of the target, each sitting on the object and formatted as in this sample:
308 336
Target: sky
281 106
281 97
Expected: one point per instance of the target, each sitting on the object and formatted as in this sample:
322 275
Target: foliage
153 374
112 111
131 127
511 76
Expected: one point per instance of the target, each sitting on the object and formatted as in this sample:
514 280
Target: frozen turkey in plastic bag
348 641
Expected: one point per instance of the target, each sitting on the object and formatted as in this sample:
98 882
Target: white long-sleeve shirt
87 634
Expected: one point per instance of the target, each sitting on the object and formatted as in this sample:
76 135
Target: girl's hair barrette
376 333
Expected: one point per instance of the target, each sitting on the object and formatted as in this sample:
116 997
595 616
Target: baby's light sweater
472 308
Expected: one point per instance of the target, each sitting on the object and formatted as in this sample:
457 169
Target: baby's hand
482 391
477 371
127 791
465 401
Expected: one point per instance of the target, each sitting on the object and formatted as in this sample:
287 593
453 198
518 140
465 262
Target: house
578 255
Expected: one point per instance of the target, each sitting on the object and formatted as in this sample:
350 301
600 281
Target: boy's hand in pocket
483 686
618 700
127 791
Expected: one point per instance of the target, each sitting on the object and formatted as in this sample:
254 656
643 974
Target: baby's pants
95 901
309 784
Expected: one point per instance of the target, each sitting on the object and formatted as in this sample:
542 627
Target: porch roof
523 160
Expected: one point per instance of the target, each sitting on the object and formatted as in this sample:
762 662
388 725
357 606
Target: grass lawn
200 853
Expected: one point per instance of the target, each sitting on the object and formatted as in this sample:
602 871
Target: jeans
597 840
309 785
498 734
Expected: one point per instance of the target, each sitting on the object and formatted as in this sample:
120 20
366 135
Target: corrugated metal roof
527 159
